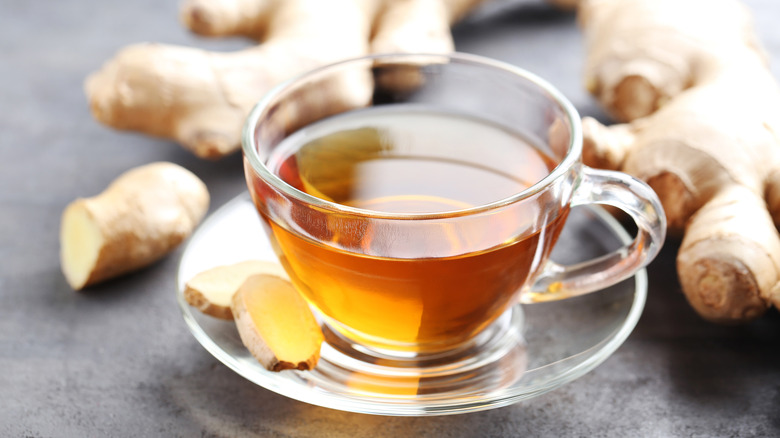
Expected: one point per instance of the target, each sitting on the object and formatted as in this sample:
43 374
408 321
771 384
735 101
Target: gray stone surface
119 361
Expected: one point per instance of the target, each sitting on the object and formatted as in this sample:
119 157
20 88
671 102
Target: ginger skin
142 216
200 98
704 113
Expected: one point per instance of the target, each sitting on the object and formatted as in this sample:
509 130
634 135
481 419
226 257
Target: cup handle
628 194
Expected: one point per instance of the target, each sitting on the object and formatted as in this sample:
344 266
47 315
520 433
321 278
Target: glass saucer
531 350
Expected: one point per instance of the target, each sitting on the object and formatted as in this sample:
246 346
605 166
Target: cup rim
572 155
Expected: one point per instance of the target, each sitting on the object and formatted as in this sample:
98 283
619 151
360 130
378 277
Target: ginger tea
422 286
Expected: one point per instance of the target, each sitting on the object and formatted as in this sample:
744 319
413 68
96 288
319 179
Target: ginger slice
276 324
212 290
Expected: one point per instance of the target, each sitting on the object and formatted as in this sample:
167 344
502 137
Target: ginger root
212 291
200 98
704 132
276 324
142 216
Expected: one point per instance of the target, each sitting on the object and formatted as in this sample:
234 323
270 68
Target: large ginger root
200 98
143 215
704 133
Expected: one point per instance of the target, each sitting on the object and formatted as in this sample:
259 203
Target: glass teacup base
492 360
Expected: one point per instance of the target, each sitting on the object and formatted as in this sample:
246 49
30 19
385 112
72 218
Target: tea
425 289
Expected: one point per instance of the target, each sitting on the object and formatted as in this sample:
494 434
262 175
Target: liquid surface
417 162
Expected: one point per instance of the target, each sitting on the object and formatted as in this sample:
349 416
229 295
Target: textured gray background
119 361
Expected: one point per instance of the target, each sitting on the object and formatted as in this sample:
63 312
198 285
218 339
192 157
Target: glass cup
421 271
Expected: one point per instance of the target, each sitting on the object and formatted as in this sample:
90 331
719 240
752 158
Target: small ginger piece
142 216
276 324
211 291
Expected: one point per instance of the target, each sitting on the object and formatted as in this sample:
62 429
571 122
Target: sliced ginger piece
212 290
276 324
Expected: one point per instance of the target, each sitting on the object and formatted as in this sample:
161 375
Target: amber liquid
439 288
